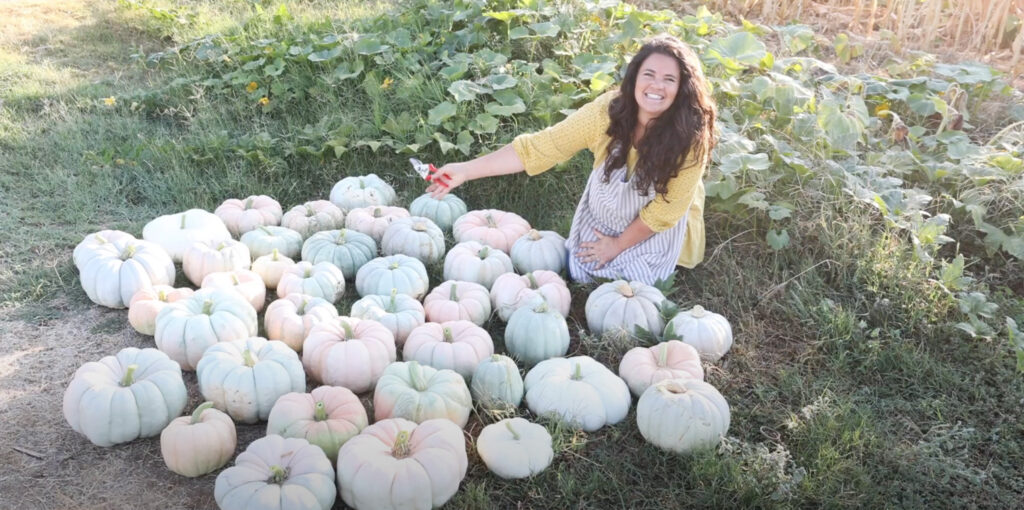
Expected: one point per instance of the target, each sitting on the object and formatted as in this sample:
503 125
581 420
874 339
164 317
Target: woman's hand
602 251
447 178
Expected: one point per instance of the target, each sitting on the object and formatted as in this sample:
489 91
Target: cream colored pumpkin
204 258
246 377
492 227
474 262
200 443
497 383
113 272
619 307
246 283
120 398
643 366
97 243
708 332
397 465
579 390
176 232
419 393
291 318
398 312
147 303
362 191
682 415
277 473
326 417
539 250
510 291
323 280
374 220
265 240
455 345
271 268
241 216
348 352
416 237
455 300
313 216
515 448
187 327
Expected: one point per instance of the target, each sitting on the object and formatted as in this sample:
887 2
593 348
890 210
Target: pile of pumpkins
321 442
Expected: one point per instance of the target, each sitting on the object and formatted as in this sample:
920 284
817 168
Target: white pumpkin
373 220
400 273
455 300
619 307
492 227
497 383
443 212
241 216
510 291
200 443
415 236
474 262
97 243
147 303
176 232
114 271
708 332
539 250
643 366
312 217
245 377
271 267
362 191
323 280
348 352
398 312
246 283
515 448
186 328
120 398
326 417
397 465
291 318
347 249
203 258
419 393
265 240
681 415
579 390
276 473
536 332
455 345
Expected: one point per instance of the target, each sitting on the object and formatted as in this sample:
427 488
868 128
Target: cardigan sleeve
583 129
664 211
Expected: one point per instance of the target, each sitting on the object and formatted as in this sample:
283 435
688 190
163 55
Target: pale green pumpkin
536 332
497 383
347 249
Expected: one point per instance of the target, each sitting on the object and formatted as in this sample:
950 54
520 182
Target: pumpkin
515 448
373 220
241 216
510 291
326 417
290 319
579 390
643 366
246 377
708 332
266 240
492 227
277 473
474 262
455 300
344 248
443 212
176 232
398 312
620 306
200 443
416 392
187 327
536 332
203 258
414 236
396 465
455 345
538 250
323 280
681 415
147 303
117 399
96 243
362 191
399 273
115 271
312 217
497 384
348 352
271 267
246 283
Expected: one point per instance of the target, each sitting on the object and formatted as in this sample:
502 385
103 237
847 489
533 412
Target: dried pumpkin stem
248 203
542 307
277 475
247 358
453 295
698 311
341 236
508 425
484 252
533 281
402 448
448 335
495 358
207 307
319 411
376 212
534 235
129 375
490 221
198 413
626 290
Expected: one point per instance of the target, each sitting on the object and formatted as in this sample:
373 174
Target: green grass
849 384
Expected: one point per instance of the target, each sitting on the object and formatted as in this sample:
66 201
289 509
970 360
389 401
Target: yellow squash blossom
109 101
264 101
252 86
387 83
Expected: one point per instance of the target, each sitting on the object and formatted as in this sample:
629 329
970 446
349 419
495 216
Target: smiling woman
641 213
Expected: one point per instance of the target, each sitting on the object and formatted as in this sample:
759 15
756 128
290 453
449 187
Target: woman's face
656 85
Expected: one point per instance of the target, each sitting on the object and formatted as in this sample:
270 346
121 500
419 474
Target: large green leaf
439 113
465 90
736 52
501 81
325 55
484 123
370 46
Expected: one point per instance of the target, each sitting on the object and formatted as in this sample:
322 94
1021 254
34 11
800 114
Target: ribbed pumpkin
95 244
455 345
536 332
312 217
515 448
348 352
203 258
245 377
241 216
271 267
276 473
186 328
112 272
415 236
497 383
499 229
291 318
362 191
682 415
327 417
200 443
474 262
398 312
246 283
265 240
402 273
443 212
510 291
176 232
323 280
373 220
539 250
579 390
620 306
455 300
708 332
346 249
147 303
419 393
643 366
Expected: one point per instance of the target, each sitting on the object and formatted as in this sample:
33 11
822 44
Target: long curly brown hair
686 128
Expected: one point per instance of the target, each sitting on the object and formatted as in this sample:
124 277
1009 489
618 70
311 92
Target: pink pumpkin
291 318
456 300
246 283
147 302
241 216
510 291
456 345
374 220
492 227
348 352
642 367
327 417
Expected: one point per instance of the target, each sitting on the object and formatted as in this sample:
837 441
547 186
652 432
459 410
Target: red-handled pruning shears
428 172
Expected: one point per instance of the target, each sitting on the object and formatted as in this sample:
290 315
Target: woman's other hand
601 251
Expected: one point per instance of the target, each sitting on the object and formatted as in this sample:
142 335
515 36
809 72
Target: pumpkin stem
309 272
319 411
698 311
495 358
376 212
394 265
416 375
534 235
198 413
393 306
128 252
402 448
247 358
484 252
302 308
453 295
341 237
183 221
419 226
129 375
277 474
265 230
490 221
310 211
207 307
448 335
542 307
508 425
625 289
162 295
362 185
348 330
663 354
248 203
578 374
234 279
275 255
533 281
220 246
672 387
100 238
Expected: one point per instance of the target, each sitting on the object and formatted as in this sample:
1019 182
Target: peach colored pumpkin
644 366
348 352
241 216
455 345
290 319
147 303
246 283
455 300
510 291
374 220
200 443
492 227
474 262
327 417
203 258
271 268
312 217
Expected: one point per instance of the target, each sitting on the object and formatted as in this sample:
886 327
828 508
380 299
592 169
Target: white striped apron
610 208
